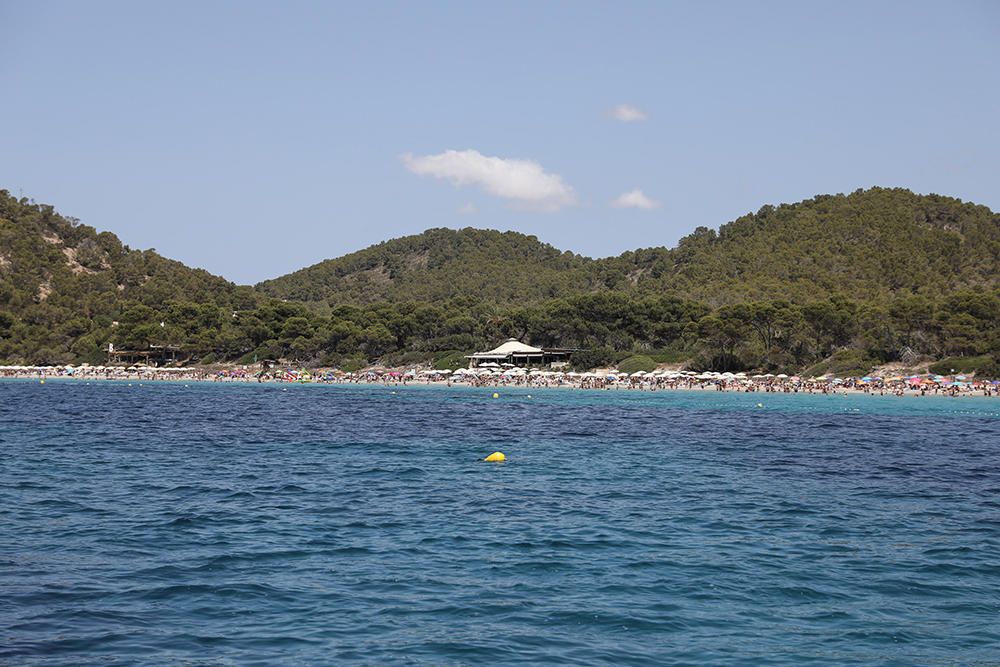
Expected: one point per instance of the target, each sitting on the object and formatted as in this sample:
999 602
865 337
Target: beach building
153 355
515 353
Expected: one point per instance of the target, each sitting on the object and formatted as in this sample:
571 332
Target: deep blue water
260 525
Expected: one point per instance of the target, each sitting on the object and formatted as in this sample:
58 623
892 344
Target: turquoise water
166 524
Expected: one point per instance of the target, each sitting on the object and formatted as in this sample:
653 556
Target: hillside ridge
871 243
837 282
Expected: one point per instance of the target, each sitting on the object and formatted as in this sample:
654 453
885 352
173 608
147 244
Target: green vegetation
869 245
978 364
834 284
845 363
450 360
501 267
67 290
637 363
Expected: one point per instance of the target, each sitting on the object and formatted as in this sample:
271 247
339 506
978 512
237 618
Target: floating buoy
760 405
529 395
496 395
495 457
41 382
393 393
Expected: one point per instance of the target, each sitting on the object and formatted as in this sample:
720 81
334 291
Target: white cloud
635 199
468 209
628 114
523 181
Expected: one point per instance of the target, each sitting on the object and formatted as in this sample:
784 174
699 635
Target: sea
161 523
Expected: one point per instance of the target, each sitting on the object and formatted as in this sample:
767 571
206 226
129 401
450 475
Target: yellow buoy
495 457
41 382
496 395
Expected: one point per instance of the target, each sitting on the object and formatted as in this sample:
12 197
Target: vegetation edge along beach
877 283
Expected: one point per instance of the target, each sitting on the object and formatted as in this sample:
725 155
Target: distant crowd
919 385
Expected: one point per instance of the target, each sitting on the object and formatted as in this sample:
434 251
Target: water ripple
245 525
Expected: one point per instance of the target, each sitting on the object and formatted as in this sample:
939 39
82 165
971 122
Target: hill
66 290
836 283
439 264
870 244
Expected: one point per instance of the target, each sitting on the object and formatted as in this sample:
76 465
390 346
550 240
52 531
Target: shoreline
700 388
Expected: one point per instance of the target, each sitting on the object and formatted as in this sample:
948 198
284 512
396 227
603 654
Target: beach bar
515 353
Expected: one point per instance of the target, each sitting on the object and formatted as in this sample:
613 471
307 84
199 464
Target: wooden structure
515 353
154 355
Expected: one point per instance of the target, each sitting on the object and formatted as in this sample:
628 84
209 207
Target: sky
252 139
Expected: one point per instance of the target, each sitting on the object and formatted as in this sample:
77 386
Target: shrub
845 363
637 363
584 360
450 361
669 356
353 364
978 365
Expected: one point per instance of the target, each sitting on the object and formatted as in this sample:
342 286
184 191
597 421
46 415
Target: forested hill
63 285
502 267
835 283
869 244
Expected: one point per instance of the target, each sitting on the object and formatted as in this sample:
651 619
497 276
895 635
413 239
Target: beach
605 379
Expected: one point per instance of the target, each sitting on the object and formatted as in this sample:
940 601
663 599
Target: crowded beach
497 375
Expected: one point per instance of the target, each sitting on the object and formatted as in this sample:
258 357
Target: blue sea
229 524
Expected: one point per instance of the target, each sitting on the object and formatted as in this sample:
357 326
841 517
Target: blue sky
252 139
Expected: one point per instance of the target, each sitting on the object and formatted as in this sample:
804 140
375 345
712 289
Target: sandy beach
603 380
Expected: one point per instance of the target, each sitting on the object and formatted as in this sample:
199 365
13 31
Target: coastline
986 390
